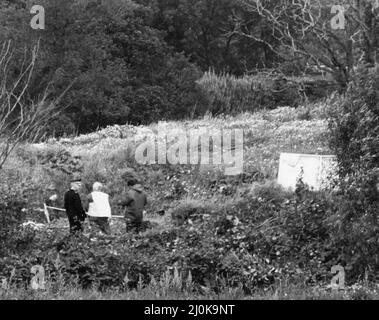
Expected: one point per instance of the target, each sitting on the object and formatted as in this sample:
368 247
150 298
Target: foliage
354 124
130 75
13 199
354 139
256 242
204 31
228 94
307 36
234 235
145 59
231 95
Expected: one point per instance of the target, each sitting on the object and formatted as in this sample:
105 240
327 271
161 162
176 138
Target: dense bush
231 95
355 140
13 199
255 242
199 29
354 124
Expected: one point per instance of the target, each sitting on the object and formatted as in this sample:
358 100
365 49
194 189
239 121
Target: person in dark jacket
74 209
133 203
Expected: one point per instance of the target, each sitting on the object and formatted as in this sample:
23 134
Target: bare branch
303 30
21 120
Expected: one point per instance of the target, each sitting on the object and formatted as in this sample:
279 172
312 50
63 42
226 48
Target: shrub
354 130
15 194
354 126
231 95
269 191
189 209
252 242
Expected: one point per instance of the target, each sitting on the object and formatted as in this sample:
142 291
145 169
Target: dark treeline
138 61
206 31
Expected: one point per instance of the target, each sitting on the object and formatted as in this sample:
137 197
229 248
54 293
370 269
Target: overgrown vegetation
231 236
228 94
355 140
147 57
208 235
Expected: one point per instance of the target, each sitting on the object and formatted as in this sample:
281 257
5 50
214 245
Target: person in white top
99 209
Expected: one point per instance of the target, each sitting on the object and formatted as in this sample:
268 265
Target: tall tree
204 30
121 68
333 40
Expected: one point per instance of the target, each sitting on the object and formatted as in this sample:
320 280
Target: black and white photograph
206 151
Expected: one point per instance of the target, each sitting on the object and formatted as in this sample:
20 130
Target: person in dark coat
133 203
74 209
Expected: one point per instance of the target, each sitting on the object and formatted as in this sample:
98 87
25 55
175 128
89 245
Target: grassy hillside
106 153
234 223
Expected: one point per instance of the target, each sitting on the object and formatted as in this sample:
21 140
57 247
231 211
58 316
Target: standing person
134 202
99 209
73 205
